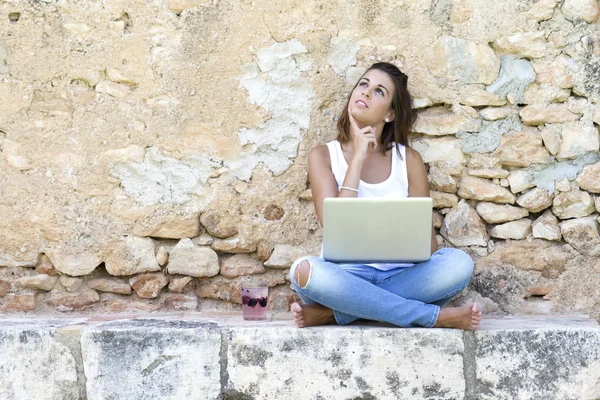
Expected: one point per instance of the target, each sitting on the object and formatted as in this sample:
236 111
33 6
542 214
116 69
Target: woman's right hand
361 138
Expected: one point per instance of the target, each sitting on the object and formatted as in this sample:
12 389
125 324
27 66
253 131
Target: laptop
377 230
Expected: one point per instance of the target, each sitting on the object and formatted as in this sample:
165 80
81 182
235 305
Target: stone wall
154 152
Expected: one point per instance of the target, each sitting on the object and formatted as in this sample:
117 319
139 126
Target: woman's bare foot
467 317
312 315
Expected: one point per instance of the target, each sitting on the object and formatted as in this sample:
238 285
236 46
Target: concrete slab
34 364
192 355
152 359
535 358
344 362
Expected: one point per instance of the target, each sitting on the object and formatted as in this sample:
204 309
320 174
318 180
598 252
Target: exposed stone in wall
275 83
192 120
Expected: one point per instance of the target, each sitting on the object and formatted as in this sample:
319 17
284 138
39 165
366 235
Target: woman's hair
396 130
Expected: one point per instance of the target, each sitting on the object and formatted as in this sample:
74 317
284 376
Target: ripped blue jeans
405 296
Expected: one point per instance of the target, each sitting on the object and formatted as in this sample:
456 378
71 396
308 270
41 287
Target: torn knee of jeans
303 273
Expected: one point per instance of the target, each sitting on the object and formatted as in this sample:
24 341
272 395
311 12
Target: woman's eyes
365 84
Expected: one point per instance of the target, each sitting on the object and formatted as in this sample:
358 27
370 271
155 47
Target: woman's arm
418 184
322 181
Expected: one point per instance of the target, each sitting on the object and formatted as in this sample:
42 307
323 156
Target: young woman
371 158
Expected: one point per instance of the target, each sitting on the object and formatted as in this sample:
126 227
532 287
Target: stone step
195 356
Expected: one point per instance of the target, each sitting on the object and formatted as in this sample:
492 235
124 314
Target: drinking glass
254 299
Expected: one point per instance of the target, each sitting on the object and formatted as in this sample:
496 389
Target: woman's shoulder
319 154
412 156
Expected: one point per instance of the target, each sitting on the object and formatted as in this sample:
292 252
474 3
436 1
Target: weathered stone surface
596 116
34 363
438 219
19 302
438 121
568 141
443 200
131 255
463 227
189 259
179 301
252 347
148 286
537 255
440 149
558 72
577 105
519 180
547 114
440 179
541 11
273 212
185 351
284 255
489 173
162 256
512 230
546 227
263 250
589 178
576 289
239 265
544 94
71 284
463 60
516 74
69 301
113 89
45 266
306 195
495 213
4 287
39 282
203 240
73 264
225 289
495 113
529 44
216 227
535 200
551 135
544 363
573 204
482 189
170 226
587 10
109 285
178 283
521 149
563 185
477 98
233 245
582 234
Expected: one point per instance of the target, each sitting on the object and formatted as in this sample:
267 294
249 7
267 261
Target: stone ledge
194 356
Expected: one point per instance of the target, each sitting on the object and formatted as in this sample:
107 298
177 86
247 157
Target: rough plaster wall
115 115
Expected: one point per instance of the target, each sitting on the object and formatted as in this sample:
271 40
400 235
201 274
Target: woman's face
371 100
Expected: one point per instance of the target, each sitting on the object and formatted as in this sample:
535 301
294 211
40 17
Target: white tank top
396 185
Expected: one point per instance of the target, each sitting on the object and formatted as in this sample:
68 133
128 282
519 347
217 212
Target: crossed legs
411 297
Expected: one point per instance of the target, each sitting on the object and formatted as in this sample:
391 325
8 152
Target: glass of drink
254 299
